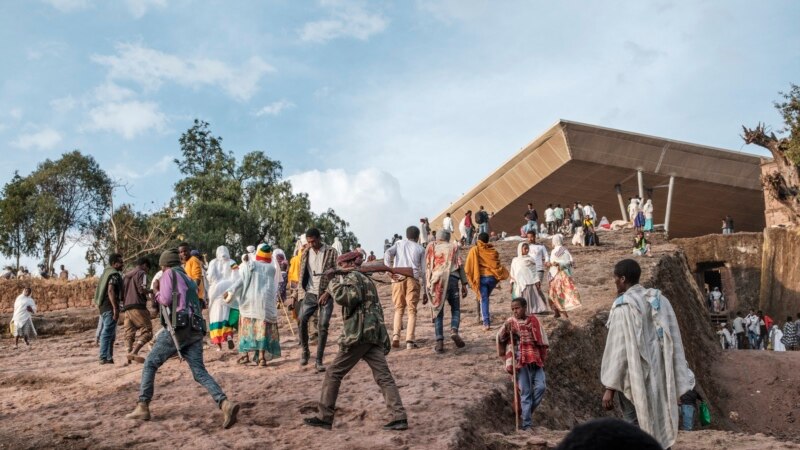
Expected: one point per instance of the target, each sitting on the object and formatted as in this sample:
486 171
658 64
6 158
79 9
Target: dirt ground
56 395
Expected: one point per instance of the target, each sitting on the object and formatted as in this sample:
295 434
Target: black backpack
481 217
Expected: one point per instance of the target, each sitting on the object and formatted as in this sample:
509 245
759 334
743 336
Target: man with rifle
364 336
184 333
406 290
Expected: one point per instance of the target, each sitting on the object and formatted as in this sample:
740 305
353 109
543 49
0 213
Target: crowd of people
758 331
246 296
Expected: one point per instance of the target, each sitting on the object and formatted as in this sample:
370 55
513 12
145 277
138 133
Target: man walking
194 268
558 213
550 219
447 224
189 329
443 276
484 272
482 219
137 317
316 259
107 298
738 330
364 337
644 364
577 215
406 291
531 218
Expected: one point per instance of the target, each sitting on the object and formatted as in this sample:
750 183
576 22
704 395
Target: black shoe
315 422
318 365
439 348
396 425
305 357
230 344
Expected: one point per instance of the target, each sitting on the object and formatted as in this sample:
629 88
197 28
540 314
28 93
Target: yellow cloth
294 269
194 269
482 261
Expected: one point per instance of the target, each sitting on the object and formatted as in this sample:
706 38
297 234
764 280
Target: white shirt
738 325
549 215
538 253
315 260
156 277
587 211
447 224
405 253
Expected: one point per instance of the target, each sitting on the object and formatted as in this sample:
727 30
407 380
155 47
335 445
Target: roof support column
641 184
669 204
621 203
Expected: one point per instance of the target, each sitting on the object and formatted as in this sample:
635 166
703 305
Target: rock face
50 295
780 275
737 258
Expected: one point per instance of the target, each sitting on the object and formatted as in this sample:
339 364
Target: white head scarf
523 269
558 241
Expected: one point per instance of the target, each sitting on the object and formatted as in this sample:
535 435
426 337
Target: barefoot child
530 349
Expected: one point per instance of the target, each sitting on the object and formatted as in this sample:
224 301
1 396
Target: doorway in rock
713 274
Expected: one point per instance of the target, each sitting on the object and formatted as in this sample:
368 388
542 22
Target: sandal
243 360
262 362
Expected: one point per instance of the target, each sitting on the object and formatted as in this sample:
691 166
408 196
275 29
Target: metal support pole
669 204
621 203
641 184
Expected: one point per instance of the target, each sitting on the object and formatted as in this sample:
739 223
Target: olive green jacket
361 310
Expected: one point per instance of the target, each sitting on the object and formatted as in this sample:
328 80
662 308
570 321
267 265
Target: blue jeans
309 308
483 228
99 329
753 338
108 335
531 380
163 349
488 283
532 226
688 417
469 236
452 297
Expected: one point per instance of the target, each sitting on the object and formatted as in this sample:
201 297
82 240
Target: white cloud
128 119
150 68
347 19
127 172
45 50
64 104
370 199
44 139
15 113
274 108
138 8
111 92
68 5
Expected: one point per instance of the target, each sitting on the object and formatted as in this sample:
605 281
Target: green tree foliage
220 201
16 218
71 195
790 111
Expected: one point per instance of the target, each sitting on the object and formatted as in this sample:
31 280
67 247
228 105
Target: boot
305 357
439 348
229 412
142 412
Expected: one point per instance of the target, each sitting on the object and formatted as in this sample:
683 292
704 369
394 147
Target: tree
70 197
16 218
222 202
133 234
331 226
784 183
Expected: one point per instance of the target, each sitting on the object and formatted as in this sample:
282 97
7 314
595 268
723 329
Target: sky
383 111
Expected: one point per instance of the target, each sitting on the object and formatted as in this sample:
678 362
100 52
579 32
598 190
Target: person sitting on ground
640 245
527 356
372 257
493 237
22 320
566 228
364 336
644 364
7 274
608 434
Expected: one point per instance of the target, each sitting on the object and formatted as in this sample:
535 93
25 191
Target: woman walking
258 324
223 320
524 279
563 293
24 307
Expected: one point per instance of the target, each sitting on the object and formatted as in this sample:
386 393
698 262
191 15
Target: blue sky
385 111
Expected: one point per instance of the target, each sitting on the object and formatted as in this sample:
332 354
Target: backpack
481 217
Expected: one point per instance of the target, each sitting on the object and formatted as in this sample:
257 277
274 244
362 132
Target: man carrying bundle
364 336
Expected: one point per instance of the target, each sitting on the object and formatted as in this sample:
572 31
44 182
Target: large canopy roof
578 162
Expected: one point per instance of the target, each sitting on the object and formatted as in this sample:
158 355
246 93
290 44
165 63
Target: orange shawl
483 260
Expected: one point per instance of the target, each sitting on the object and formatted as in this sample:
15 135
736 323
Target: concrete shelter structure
578 162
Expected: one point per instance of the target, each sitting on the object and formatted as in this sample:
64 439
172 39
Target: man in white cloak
644 362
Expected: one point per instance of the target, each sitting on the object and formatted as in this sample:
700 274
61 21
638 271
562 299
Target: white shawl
523 270
644 360
256 290
220 267
21 314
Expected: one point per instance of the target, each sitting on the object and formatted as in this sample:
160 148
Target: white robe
21 314
257 290
645 361
776 335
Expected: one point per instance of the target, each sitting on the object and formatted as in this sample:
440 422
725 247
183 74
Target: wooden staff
288 320
514 374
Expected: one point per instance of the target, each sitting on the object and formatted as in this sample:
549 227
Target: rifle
372 268
170 330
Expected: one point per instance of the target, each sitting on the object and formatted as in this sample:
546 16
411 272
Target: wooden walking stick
288 320
514 374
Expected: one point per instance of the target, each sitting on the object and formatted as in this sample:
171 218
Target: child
530 349
640 245
688 404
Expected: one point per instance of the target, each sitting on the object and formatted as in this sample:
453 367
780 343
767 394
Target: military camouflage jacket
361 310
